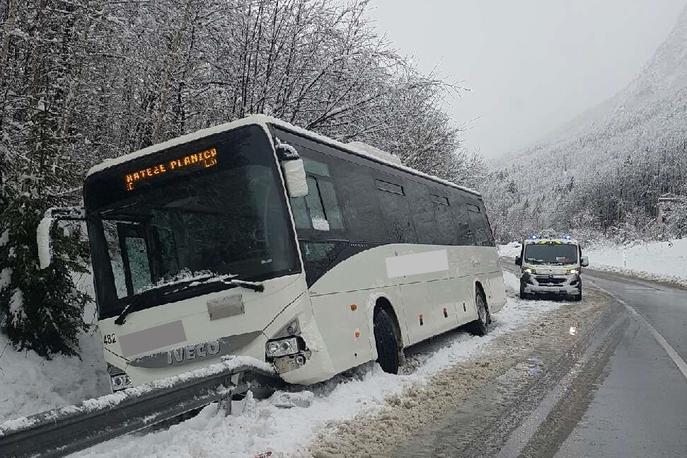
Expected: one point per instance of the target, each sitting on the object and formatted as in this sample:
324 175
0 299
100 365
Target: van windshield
551 253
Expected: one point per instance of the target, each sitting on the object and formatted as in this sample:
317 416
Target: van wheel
578 297
523 294
387 342
480 326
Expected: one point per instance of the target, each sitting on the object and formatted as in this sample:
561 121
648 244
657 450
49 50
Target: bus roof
264 121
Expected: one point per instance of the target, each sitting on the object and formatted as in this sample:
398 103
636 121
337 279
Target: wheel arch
479 289
383 303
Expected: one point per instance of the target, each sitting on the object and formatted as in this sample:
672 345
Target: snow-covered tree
39 309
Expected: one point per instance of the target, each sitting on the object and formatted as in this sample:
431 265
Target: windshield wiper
131 306
226 279
253 285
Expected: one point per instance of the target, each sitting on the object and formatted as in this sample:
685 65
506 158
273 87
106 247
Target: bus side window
317 256
313 200
433 220
463 229
319 210
480 226
300 213
396 210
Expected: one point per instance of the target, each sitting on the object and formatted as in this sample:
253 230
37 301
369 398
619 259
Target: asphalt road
640 406
621 392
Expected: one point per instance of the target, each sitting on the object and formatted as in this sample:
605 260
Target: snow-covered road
287 423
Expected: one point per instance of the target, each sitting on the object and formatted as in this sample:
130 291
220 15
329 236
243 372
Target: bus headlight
573 272
118 378
281 347
529 271
120 382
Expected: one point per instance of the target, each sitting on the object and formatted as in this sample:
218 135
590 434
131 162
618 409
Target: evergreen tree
40 310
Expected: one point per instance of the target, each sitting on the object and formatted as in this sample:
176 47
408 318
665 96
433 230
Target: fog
529 65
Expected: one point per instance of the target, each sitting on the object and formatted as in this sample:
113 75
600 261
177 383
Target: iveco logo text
190 352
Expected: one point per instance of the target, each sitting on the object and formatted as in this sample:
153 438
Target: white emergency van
551 266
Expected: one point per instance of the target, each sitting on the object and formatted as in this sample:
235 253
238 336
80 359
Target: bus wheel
480 326
387 342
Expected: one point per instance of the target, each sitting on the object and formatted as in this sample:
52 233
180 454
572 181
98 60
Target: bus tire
387 342
480 326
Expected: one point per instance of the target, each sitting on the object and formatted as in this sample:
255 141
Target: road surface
640 407
622 392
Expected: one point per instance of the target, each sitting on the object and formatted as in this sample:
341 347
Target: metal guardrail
59 432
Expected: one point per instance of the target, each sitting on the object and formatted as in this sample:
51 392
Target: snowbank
30 384
286 423
666 261
511 250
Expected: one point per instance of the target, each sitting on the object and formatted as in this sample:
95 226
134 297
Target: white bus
211 244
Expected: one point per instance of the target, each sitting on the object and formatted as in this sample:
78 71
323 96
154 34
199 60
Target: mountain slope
640 123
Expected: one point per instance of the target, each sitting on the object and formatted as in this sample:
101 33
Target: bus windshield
227 221
550 253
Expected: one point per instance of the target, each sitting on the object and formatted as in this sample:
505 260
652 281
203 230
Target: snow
185 276
5 277
374 151
30 384
286 423
665 261
288 148
113 399
320 224
44 240
296 181
511 250
17 302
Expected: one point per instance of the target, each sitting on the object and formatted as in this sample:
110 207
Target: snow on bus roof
107 163
264 120
361 152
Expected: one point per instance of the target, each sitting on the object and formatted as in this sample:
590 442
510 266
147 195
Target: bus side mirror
518 261
51 216
294 175
584 261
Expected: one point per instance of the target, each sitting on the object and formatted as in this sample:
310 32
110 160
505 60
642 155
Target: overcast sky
530 65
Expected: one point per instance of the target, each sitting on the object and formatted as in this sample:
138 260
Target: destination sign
202 160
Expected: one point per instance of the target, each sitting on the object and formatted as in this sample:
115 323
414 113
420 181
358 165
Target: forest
617 202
